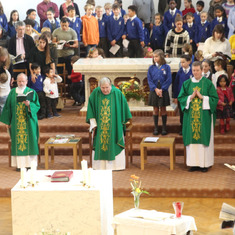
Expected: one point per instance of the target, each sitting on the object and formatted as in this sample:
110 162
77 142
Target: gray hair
22 74
20 24
105 80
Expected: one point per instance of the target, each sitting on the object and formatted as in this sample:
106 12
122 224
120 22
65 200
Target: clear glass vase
136 199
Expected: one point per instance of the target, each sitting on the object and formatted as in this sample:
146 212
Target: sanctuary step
72 123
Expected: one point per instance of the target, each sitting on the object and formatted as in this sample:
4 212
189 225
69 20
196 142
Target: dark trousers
119 52
67 61
76 92
42 101
181 114
135 50
51 105
103 44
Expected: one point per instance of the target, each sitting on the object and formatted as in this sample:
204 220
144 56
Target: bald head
22 80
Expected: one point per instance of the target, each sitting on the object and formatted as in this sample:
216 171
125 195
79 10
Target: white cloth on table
199 154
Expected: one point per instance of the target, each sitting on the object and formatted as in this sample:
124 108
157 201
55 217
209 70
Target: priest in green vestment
108 110
21 119
198 99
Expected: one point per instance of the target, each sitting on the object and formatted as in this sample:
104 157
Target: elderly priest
20 116
108 110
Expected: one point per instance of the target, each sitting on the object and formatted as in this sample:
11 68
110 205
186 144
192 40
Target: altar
114 68
68 207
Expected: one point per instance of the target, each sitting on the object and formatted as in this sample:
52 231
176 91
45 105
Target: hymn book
61 43
17 59
151 139
24 97
61 176
227 212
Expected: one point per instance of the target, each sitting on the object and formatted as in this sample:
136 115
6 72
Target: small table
75 143
162 142
146 222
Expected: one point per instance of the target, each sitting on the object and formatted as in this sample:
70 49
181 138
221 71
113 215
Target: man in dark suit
21 44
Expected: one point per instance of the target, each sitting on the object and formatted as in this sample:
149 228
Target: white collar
133 17
116 17
203 22
172 11
20 90
72 19
194 80
186 70
220 18
99 18
190 24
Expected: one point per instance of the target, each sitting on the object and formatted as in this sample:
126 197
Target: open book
227 212
151 139
24 97
61 43
17 60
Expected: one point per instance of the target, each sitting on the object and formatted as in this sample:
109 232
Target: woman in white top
216 43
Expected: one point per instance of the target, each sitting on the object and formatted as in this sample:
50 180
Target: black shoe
164 132
193 168
155 132
41 117
79 104
204 169
75 103
18 169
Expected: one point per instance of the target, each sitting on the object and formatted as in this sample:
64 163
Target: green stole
111 113
196 121
24 124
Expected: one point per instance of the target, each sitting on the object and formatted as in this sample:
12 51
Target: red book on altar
61 176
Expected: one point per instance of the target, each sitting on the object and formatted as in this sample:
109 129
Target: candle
23 177
90 176
84 171
33 172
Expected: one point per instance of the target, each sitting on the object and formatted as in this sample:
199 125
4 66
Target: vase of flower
136 199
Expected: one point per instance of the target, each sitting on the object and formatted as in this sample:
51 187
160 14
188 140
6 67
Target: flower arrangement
136 189
132 89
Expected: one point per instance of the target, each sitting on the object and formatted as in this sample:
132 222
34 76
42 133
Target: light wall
23 5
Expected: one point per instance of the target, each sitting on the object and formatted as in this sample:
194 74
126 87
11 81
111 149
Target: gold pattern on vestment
105 124
21 136
196 115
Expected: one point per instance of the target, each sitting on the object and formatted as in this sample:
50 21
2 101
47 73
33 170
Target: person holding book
21 121
36 83
66 34
115 30
134 33
50 88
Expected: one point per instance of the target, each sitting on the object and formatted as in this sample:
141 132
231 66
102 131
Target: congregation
204 42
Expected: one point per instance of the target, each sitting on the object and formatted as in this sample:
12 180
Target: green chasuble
24 124
111 113
197 122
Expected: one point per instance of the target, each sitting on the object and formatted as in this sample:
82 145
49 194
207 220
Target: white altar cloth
69 206
116 68
155 223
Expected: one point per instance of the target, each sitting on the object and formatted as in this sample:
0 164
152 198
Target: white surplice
118 164
199 154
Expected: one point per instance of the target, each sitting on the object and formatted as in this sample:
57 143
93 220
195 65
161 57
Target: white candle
23 177
84 171
90 177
